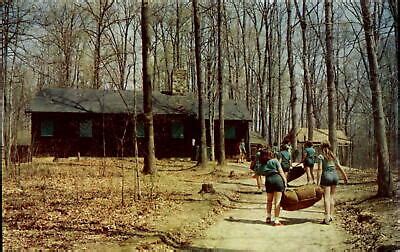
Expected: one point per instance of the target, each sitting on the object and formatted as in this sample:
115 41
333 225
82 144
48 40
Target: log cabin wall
67 121
173 135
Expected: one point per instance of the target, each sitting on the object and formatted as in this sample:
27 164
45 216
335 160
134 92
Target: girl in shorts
275 184
329 179
285 159
308 162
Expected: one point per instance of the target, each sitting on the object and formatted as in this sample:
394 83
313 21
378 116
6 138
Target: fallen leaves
65 204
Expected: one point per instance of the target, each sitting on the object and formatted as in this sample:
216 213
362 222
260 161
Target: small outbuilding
321 136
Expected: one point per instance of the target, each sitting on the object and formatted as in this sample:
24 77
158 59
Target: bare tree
199 78
293 96
385 180
149 154
330 75
306 72
242 24
395 8
101 17
221 150
2 84
118 37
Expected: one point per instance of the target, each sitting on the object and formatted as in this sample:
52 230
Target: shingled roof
69 100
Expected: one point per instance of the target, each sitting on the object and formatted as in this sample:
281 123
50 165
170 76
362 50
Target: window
85 128
140 130
47 128
230 132
177 131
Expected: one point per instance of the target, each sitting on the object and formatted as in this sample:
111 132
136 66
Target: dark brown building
92 122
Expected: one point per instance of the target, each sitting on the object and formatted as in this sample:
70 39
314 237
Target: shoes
325 222
276 224
268 220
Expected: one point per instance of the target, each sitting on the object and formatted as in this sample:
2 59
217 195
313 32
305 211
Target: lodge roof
70 100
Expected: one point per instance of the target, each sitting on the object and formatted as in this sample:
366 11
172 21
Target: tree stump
207 188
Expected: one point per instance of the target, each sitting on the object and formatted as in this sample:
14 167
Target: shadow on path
247 221
287 221
211 249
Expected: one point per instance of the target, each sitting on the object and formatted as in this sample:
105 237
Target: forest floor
90 204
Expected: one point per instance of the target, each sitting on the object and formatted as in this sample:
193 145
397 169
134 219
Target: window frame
140 130
181 128
42 129
81 123
230 127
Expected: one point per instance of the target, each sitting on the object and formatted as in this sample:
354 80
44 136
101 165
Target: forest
295 64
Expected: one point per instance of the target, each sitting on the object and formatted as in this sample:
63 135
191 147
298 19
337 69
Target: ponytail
327 152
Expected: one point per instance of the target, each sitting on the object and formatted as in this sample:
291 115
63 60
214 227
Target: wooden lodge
90 122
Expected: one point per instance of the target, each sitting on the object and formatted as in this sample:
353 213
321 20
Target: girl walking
329 179
275 184
285 159
308 162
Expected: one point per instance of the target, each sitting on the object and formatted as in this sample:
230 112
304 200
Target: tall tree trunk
197 44
246 67
306 72
149 155
242 24
268 61
211 109
96 67
136 174
221 151
2 84
330 76
279 132
396 155
385 180
395 7
178 26
293 94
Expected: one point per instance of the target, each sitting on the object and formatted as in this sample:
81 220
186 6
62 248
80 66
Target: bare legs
274 197
259 184
319 172
270 198
277 205
242 157
332 203
329 202
310 174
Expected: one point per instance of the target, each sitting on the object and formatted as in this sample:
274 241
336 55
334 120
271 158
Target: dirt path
244 228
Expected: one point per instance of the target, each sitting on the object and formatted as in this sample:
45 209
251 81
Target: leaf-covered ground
92 204
69 204
371 222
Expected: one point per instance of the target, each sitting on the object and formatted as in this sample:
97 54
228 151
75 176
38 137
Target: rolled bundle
301 197
295 173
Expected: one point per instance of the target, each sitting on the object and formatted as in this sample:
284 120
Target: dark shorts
329 178
274 183
309 162
285 167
